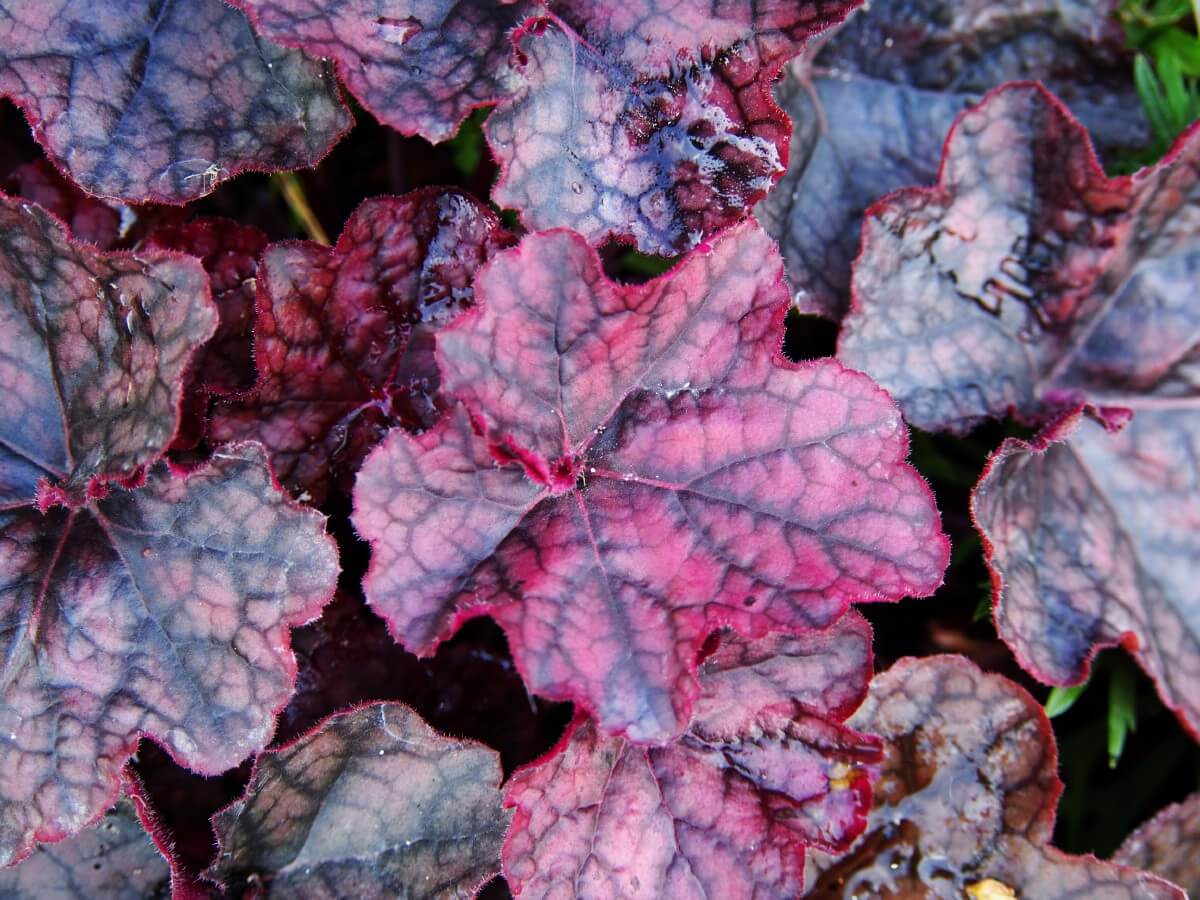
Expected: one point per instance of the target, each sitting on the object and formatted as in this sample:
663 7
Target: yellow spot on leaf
841 776
990 889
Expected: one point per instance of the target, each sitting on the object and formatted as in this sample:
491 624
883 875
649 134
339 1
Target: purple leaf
1168 845
1027 280
965 798
649 122
419 66
163 99
872 109
1092 539
115 859
765 768
161 612
343 336
94 347
633 468
371 804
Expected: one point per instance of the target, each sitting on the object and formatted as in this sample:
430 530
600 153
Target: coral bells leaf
765 769
163 99
418 65
965 797
1027 279
648 121
159 607
1092 538
225 365
1168 845
94 348
372 803
872 109
115 859
634 467
343 334
162 611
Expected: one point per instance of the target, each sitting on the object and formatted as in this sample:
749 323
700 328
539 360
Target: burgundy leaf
872 109
344 334
1092 539
419 66
965 798
225 366
765 769
89 219
93 349
115 859
1026 279
230 253
647 121
1168 845
161 612
372 804
633 468
162 99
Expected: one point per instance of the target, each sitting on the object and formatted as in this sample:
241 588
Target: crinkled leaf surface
115 859
162 611
344 334
648 121
1026 279
1168 845
92 350
89 219
373 804
418 65
633 468
229 253
225 365
764 769
965 798
162 99
872 109
1092 540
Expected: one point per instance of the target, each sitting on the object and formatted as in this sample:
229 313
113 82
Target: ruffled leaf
163 99
645 121
373 804
765 769
1092 539
94 348
965 798
419 66
1168 845
1026 279
872 108
343 334
617 448
162 612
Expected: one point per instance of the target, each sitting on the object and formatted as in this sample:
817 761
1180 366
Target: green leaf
1122 710
1177 44
1150 92
1063 698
